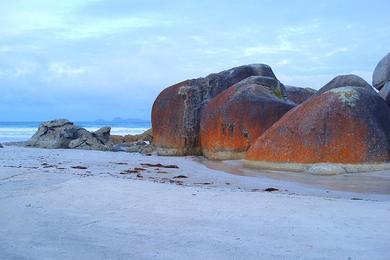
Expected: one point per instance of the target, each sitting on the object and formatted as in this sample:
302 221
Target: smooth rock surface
233 120
177 110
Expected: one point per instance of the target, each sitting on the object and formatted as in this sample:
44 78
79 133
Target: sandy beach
74 204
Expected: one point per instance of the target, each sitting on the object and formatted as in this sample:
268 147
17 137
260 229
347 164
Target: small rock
271 189
325 169
79 167
129 171
170 166
180 177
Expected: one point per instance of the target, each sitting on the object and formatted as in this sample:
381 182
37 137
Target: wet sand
376 182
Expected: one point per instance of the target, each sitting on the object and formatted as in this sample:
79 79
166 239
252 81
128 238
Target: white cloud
59 70
100 27
20 70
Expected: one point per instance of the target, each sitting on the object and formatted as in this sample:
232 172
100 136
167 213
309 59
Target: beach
76 204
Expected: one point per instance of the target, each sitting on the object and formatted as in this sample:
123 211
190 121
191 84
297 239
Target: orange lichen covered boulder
348 125
234 119
176 111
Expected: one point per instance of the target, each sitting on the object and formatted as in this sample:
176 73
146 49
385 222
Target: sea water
22 131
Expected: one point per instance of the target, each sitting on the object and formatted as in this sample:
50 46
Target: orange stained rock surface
167 118
328 129
231 123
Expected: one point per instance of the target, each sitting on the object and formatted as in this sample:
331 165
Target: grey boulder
299 95
381 73
64 134
346 81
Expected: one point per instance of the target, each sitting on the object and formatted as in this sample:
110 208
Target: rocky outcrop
345 81
349 125
137 147
177 110
381 74
64 134
299 95
141 143
146 136
1 146
234 119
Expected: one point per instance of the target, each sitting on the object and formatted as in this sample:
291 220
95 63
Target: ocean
22 131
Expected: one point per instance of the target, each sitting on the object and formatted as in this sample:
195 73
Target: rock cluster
342 125
177 110
247 112
62 133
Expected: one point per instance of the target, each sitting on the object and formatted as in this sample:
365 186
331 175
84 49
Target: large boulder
344 81
381 74
53 134
234 119
299 95
64 134
103 134
348 125
91 141
177 110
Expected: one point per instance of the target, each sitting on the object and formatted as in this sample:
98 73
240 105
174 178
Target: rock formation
345 81
177 110
141 143
299 95
146 136
381 75
64 134
343 125
234 119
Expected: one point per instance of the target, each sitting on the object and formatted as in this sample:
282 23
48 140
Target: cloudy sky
90 59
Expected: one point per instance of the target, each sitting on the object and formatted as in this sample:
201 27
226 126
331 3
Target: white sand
50 211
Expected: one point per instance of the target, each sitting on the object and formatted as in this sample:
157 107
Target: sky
100 59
